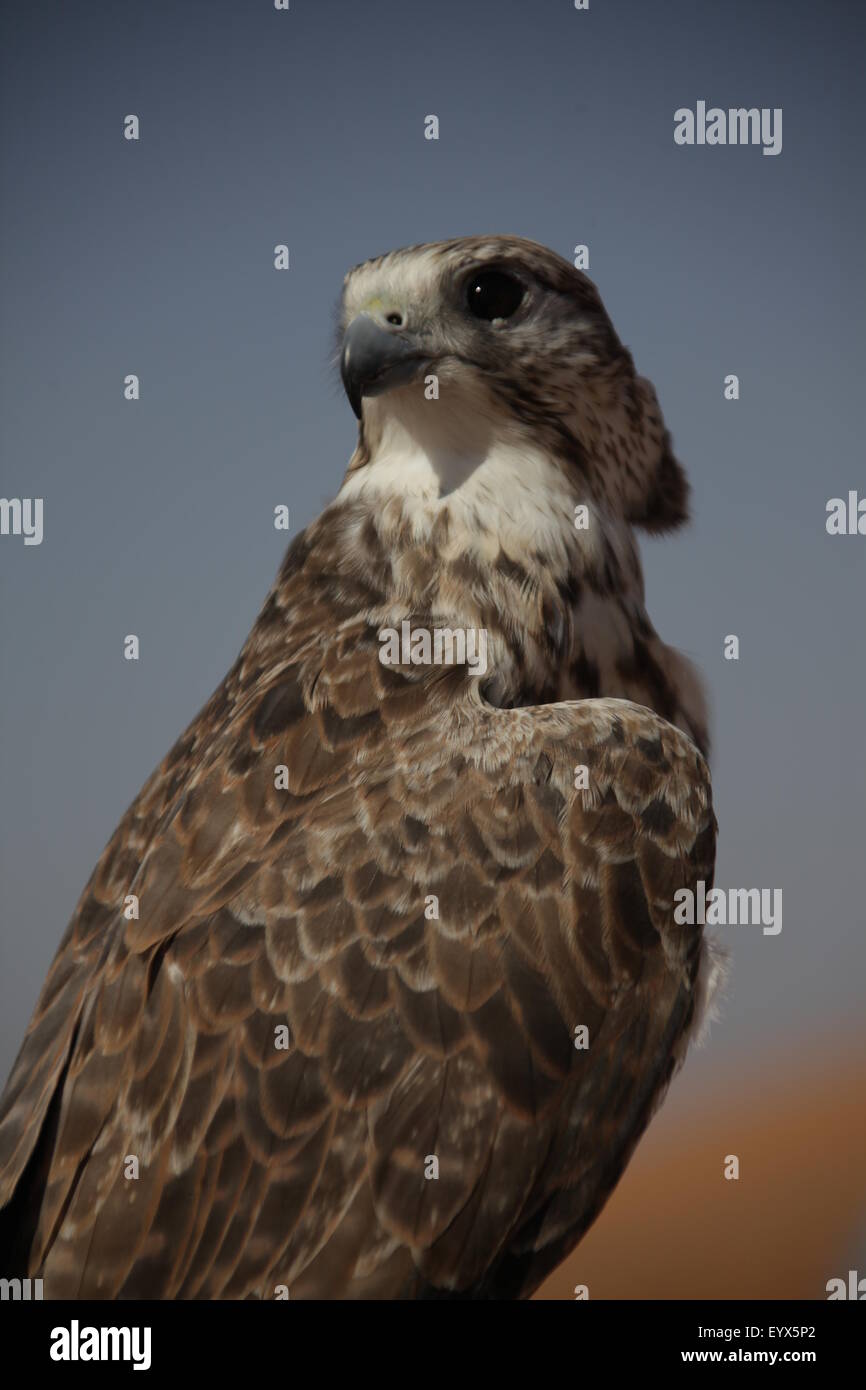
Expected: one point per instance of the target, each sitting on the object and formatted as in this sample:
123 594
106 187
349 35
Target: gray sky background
260 127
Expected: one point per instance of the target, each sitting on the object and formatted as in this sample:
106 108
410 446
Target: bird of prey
379 980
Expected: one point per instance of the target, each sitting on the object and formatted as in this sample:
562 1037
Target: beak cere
375 359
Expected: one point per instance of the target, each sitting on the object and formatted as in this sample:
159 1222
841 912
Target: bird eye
491 294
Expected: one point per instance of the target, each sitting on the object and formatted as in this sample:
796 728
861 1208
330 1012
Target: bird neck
536 600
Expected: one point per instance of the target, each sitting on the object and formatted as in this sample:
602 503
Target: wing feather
431 910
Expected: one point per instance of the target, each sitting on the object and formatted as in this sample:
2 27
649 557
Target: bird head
467 344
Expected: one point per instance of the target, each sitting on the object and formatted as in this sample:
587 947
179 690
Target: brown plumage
394 861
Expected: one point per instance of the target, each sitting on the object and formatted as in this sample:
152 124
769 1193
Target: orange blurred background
796 1217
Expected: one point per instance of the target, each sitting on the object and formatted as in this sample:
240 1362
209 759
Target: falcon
378 982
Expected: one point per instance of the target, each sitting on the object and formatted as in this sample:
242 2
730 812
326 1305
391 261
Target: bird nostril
395 319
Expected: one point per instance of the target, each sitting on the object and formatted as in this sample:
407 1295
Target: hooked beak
376 359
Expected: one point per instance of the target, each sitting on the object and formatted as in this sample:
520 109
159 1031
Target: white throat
459 455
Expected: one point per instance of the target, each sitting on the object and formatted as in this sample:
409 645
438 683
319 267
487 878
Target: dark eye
491 294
